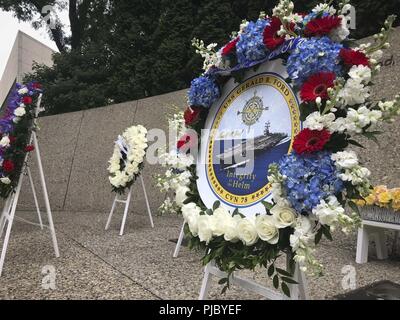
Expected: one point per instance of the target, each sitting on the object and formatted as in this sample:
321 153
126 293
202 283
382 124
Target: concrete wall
77 146
24 52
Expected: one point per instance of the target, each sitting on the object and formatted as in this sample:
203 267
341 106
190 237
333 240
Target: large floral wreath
312 186
127 160
16 125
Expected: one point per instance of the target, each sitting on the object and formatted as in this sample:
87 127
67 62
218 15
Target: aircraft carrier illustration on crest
251 114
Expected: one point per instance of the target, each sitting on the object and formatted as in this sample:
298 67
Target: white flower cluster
211 57
136 139
347 162
235 228
390 109
356 89
328 211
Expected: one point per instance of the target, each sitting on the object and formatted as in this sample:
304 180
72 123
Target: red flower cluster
228 49
353 57
322 26
27 100
8 166
29 148
308 141
317 86
191 115
12 139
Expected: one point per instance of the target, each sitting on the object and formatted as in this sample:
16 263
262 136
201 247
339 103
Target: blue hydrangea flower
312 56
313 15
310 178
203 92
250 46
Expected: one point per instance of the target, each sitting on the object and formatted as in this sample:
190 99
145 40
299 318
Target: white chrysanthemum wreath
127 160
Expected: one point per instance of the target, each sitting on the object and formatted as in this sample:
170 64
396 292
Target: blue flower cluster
314 15
203 92
312 56
250 46
309 179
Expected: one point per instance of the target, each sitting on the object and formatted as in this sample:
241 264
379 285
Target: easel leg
128 200
179 243
298 291
205 286
5 213
111 213
35 197
147 202
46 196
10 222
380 243
362 245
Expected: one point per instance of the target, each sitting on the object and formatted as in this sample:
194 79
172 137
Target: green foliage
130 49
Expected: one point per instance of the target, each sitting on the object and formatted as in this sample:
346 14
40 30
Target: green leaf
355 143
283 272
271 270
285 289
216 205
353 206
318 236
223 281
327 233
275 281
289 280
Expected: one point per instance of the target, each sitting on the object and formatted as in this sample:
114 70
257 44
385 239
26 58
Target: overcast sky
9 27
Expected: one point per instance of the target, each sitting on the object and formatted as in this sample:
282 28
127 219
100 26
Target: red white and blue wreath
16 125
312 186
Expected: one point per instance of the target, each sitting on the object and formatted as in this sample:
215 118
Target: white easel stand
127 202
297 291
377 230
10 206
180 239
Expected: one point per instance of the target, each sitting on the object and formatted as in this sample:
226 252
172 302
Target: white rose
5 141
231 229
266 229
19 112
221 217
5 180
284 216
181 196
247 231
191 214
205 225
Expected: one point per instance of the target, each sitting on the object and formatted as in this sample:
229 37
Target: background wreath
124 168
312 186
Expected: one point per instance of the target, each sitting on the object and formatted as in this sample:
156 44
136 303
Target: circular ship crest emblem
252 110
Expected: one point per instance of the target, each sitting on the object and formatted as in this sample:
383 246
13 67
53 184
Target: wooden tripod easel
10 206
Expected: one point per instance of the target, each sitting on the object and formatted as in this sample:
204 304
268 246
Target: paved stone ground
98 264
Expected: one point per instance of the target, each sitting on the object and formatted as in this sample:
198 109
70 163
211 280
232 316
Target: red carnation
8 166
308 141
271 38
27 100
29 148
227 50
322 26
191 115
317 86
353 58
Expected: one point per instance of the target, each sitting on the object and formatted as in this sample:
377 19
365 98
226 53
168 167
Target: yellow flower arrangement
382 197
